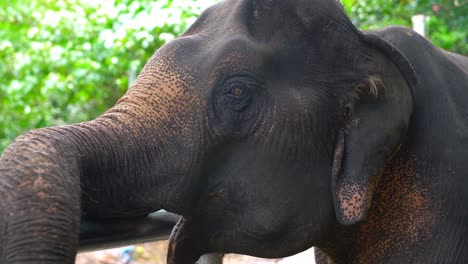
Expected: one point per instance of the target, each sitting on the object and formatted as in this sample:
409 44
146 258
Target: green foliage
66 61
447 19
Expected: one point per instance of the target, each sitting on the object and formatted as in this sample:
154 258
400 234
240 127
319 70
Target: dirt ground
155 253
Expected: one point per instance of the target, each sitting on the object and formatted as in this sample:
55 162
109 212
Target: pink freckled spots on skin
352 203
402 212
38 183
24 184
52 210
41 195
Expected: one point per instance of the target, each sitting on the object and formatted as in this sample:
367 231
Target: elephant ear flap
376 121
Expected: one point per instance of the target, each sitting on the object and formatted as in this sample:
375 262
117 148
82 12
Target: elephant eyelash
246 79
236 90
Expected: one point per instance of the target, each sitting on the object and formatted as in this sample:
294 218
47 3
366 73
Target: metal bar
104 234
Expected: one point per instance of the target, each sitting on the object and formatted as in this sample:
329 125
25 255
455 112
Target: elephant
270 126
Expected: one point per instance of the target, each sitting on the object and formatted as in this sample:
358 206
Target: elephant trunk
50 177
39 198
115 166
138 157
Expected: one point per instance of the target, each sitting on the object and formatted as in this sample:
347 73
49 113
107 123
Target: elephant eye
236 95
236 90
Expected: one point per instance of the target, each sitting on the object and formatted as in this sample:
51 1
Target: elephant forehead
293 39
265 20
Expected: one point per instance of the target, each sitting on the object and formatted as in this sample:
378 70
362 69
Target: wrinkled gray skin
270 126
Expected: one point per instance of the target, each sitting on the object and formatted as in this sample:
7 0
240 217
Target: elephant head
266 124
306 111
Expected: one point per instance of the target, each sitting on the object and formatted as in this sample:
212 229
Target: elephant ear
377 114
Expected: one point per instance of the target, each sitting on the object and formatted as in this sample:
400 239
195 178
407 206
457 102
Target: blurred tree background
65 61
446 25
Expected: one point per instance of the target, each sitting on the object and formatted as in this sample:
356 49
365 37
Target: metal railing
105 234
97 235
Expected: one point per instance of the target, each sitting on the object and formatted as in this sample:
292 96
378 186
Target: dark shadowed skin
271 126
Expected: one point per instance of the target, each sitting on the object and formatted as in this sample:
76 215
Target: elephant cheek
185 246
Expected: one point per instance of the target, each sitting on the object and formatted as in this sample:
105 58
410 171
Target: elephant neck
407 221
